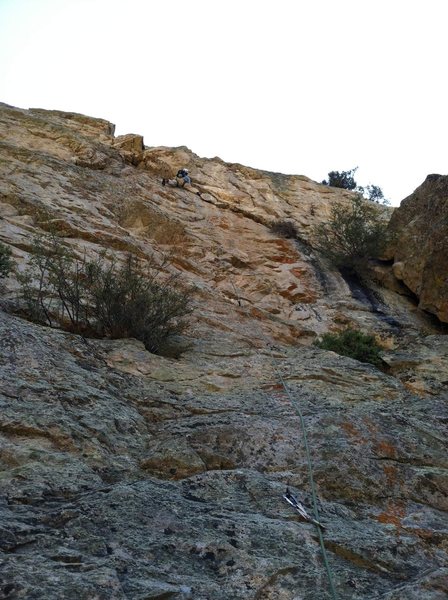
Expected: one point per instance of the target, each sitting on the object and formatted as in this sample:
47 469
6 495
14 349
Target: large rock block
420 251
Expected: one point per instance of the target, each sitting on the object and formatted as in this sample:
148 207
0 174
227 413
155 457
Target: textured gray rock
126 475
85 514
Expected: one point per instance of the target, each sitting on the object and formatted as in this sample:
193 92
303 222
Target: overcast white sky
296 86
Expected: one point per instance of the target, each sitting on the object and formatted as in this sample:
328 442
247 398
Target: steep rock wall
127 475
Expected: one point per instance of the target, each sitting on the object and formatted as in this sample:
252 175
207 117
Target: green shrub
6 263
342 179
346 181
103 297
286 229
353 235
375 194
358 345
51 285
128 301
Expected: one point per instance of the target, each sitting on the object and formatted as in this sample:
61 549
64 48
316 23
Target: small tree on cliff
342 179
104 297
346 181
6 263
353 234
375 194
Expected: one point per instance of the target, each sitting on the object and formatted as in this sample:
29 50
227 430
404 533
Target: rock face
420 251
127 475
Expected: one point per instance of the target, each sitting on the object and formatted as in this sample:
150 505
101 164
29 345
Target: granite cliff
129 475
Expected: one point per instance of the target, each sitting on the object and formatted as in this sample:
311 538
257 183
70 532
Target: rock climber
182 178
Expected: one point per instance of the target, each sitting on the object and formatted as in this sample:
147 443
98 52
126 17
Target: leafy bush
51 286
286 229
342 179
102 297
126 301
352 343
6 263
353 234
346 180
375 194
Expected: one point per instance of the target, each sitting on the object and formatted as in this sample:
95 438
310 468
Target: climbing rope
297 409
295 405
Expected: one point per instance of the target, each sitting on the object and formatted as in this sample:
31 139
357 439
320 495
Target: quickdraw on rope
316 520
292 500
288 497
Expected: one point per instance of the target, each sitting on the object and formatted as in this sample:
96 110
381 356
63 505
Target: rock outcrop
420 249
127 475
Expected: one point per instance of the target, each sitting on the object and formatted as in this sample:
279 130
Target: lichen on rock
127 474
